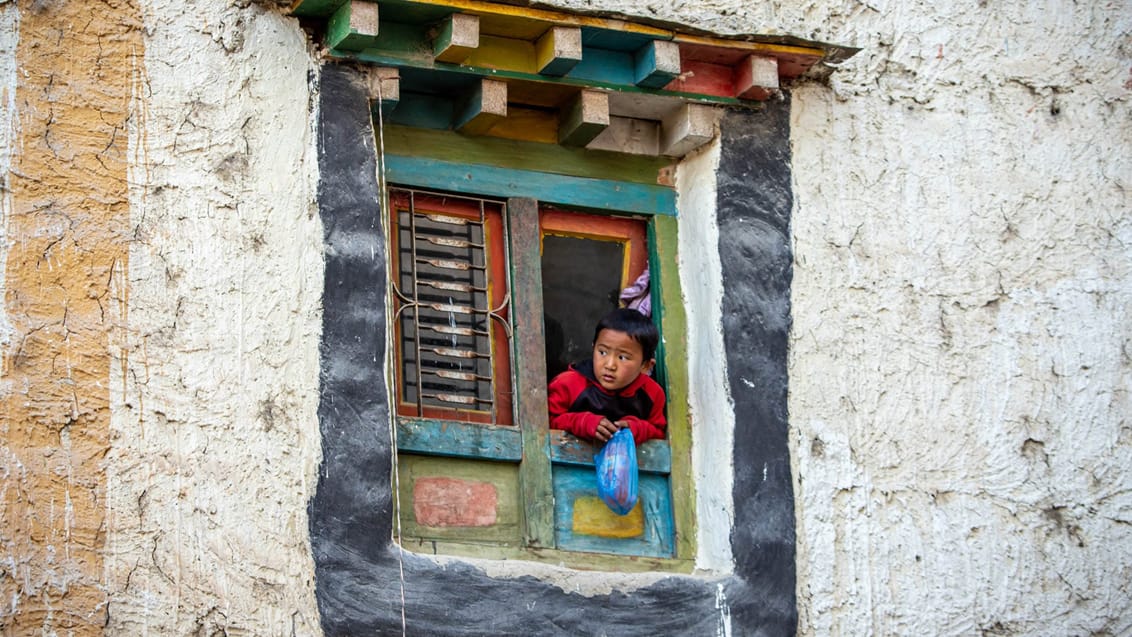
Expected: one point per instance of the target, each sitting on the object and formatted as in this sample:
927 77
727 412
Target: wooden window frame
531 442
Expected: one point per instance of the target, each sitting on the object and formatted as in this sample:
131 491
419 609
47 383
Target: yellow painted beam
483 108
558 50
549 17
507 54
764 48
528 125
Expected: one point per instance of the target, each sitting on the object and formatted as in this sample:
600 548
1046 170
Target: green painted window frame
586 181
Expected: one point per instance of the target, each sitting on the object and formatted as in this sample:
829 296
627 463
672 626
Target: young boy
595 398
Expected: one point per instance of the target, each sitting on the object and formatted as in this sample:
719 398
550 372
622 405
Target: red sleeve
655 425
561 393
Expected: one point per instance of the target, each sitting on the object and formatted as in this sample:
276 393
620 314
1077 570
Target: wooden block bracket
458 37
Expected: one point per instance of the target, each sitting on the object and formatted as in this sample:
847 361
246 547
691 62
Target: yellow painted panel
593 517
529 125
504 53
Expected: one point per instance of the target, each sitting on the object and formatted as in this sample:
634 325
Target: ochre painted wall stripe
66 229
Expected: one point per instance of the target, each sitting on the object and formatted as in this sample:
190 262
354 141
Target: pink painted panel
441 502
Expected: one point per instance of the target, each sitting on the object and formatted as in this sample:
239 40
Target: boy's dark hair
638 326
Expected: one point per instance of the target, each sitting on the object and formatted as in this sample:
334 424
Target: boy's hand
606 428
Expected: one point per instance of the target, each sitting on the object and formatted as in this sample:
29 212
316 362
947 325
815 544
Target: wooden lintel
558 50
656 64
756 77
584 118
687 128
459 35
384 87
485 106
353 26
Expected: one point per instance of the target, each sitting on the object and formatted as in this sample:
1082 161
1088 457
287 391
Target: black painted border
357 566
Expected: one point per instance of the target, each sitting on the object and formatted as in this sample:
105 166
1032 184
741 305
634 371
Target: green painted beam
580 192
530 370
353 26
510 154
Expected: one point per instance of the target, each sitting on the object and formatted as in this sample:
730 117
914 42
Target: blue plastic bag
616 466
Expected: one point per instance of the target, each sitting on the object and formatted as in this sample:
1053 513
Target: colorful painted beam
353 27
507 154
490 181
656 64
558 50
458 37
653 456
458 439
482 108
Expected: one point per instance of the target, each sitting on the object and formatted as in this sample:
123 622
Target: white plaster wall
961 354
713 411
215 433
9 39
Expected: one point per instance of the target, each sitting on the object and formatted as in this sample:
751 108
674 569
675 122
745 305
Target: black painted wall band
358 567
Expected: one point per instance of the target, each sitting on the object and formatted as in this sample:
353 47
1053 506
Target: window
491 297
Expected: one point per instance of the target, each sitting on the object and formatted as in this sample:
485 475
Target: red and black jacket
577 403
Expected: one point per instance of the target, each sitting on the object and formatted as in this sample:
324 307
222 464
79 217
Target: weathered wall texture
961 348
65 214
214 437
962 345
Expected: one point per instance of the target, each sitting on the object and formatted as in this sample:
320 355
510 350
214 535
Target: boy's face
618 360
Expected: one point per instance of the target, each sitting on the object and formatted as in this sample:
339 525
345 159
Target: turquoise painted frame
654 495
571 459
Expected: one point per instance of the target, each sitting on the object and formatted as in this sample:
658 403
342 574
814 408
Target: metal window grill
444 311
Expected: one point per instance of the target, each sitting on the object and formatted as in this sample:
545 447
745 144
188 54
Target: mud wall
65 217
959 353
